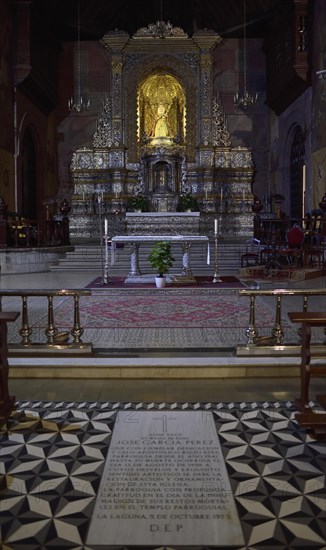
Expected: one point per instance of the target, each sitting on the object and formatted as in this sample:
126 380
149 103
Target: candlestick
216 277
303 190
105 227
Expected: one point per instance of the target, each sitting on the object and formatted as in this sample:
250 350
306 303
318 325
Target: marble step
90 258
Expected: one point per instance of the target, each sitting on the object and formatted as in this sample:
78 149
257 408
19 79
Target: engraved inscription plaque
165 482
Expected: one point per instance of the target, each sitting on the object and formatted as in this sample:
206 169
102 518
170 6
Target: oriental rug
176 318
163 309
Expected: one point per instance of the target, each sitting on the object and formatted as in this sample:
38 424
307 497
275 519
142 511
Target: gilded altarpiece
162 134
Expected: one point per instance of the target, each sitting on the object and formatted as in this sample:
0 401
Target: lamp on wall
245 100
80 103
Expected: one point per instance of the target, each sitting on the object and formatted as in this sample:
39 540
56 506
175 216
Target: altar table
136 240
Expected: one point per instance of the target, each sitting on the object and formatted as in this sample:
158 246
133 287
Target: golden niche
161 110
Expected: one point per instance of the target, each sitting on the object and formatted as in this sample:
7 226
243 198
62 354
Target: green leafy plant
138 202
161 257
187 202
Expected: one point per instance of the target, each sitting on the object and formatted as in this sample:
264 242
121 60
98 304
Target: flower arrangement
187 202
138 203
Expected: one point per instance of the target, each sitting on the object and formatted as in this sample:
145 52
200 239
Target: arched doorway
29 176
296 170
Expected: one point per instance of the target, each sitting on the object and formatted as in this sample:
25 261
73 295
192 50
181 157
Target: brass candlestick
216 278
105 278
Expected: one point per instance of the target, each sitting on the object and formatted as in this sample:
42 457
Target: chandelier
244 100
79 103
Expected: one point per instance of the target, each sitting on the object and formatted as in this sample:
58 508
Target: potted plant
138 203
187 203
161 260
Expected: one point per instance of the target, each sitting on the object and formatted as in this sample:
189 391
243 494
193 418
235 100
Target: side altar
161 135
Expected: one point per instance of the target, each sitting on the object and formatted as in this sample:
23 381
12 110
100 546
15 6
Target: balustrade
257 344
54 339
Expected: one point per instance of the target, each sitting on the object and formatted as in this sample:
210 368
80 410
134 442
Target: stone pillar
134 260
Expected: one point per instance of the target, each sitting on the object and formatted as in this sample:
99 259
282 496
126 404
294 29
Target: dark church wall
28 96
318 159
250 127
6 104
77 129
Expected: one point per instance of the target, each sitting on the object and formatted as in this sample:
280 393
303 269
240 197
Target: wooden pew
307 418
6 400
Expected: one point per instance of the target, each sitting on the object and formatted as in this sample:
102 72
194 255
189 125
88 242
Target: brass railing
274 343
54 339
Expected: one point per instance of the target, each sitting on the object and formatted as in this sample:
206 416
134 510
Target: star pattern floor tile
53 453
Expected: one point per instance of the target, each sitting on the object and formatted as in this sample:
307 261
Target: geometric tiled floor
53 453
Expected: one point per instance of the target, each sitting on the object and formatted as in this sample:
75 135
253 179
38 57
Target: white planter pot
160 282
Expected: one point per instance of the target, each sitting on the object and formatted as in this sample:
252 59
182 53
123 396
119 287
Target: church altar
135 241
161 133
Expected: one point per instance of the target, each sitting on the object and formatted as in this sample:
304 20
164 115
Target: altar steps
90 257
149 366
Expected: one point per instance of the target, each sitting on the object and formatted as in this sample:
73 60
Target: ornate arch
134 75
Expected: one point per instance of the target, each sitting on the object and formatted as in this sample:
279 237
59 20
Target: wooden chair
251 256
314 253
293 250
307 418
6 400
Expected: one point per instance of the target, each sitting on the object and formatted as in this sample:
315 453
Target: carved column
206 40
114 42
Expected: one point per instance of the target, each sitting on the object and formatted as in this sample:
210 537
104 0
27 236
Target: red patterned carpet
178 308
